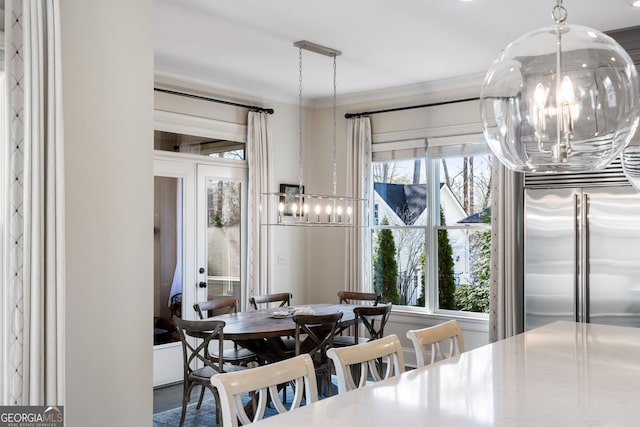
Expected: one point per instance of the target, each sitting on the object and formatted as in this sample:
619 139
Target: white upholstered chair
375 360
263 383
437 342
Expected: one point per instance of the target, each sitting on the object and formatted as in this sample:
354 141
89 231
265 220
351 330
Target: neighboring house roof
408 201
482 217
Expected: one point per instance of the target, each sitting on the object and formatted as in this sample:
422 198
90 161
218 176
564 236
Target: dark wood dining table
262 332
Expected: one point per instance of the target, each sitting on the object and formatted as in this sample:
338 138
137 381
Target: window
204 146
431 226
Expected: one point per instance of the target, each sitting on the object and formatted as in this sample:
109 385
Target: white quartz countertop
562 374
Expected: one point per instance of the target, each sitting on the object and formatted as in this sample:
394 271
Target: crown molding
453 87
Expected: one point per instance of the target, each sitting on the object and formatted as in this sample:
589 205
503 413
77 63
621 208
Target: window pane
464 259
464 253
212 147
465 188
398 265
400 192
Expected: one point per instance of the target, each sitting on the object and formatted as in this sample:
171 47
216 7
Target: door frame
167 358
165 370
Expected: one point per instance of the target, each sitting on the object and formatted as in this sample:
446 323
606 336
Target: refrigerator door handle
586 260
577 255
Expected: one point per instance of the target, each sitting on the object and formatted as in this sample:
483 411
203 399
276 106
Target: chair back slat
349 297
263 383
437 342
216 307
375 360
284 298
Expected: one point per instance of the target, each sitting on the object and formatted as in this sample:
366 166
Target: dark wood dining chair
284 298
197 354
373 319
314 336
362 298
235 355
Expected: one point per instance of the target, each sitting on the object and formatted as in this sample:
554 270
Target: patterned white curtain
260 181
506 253
33 297
358 247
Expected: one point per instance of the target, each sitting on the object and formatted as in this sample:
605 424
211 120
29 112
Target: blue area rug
206 415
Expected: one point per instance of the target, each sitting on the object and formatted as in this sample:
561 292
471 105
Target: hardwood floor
170 396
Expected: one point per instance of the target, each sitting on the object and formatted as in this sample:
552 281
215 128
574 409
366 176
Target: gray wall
108 110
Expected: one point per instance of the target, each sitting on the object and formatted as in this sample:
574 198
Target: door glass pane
167 237
223 238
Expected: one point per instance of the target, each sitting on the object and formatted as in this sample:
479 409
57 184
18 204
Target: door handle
577 256
587 259
202 284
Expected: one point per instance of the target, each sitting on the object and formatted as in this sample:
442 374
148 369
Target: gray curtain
505 300
33 289
260 181
358 247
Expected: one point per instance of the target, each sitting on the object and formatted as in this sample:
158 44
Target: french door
199 220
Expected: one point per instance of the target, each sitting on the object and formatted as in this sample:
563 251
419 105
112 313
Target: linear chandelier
326 210
563 98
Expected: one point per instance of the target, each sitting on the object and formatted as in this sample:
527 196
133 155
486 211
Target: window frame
435 149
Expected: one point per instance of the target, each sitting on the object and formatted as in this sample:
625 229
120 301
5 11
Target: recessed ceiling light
636 3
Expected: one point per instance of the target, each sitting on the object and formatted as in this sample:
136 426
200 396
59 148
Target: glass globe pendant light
563 98
630 159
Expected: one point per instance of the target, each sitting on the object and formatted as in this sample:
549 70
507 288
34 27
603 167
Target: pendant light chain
559 13
334 124
300 120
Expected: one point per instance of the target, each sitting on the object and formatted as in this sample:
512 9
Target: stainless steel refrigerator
582 255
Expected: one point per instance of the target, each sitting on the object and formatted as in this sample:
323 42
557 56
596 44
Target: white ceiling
246 46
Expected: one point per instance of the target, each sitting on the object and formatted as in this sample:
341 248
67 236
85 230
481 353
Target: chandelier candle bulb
306 212
339 212
280 211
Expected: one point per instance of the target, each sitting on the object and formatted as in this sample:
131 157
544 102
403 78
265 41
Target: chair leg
327 380
201 397
218 409
185 399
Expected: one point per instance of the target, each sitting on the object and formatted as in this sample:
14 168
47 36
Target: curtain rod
220 101
411 107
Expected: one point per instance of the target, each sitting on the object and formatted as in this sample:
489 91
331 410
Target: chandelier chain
334 124
300 119
559 13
